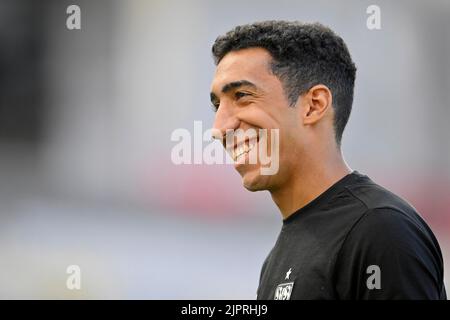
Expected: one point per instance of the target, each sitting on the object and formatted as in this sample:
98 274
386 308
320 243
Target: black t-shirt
356 240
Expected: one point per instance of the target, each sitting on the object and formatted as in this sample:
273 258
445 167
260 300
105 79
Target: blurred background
86 117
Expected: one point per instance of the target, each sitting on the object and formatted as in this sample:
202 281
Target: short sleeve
389 254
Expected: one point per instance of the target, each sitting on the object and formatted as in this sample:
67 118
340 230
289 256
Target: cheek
290 145
256 116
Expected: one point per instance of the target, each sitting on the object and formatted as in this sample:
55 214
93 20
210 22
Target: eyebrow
237 84
233 85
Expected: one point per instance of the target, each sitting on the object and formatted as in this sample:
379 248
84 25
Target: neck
313 177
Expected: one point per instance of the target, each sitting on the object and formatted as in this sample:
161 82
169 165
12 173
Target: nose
225 120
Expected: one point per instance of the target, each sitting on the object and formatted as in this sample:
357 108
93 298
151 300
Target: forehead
252 64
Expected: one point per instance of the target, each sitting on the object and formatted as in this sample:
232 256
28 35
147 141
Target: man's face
248 96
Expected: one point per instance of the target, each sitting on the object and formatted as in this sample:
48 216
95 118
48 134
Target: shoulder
403 251
386 212
389 228
375 196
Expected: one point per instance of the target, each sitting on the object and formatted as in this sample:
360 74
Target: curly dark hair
303 55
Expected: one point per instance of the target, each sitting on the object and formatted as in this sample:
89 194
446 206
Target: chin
254 181
252 187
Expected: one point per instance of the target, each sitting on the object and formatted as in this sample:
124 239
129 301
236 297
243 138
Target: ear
316 101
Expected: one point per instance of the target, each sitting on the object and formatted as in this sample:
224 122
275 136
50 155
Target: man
343 236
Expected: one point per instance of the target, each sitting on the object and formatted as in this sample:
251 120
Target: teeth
242 149
252 144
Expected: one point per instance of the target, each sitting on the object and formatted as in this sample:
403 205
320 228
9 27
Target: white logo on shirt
288 274
283 291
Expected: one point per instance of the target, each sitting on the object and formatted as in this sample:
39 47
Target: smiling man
343 236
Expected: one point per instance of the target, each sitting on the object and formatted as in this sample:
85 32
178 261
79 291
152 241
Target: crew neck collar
324 196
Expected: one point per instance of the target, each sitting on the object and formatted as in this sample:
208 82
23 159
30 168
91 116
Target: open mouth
240 150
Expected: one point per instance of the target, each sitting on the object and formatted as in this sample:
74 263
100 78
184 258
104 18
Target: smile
239 151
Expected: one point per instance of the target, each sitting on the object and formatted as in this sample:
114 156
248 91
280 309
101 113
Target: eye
240 94
215 106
